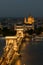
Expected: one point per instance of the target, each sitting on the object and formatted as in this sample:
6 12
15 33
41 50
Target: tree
38 30
8 32
31 31
0 31
5 31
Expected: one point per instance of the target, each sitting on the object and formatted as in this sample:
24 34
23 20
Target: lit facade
29 20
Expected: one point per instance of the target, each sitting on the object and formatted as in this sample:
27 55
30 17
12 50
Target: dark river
32 54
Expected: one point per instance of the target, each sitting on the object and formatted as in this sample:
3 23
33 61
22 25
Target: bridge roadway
3 60
10 55
35 38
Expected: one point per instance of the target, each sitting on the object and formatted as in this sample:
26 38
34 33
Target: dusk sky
20 8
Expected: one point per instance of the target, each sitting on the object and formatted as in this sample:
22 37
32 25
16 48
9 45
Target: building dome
30 20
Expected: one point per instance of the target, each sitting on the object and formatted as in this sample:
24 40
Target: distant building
29 20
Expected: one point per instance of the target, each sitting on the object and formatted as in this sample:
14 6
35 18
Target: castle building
29 20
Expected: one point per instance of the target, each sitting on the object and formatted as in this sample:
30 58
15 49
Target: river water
32 53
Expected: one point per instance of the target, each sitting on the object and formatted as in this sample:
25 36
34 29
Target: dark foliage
38 30
8 32
30 32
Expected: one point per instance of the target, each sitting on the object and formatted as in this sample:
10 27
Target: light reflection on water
32 54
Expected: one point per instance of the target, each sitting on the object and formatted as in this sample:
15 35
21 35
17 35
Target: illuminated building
29 20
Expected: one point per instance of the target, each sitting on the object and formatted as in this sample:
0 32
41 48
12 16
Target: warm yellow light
18 62
30 20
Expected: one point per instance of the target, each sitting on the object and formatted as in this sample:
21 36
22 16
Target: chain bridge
12 49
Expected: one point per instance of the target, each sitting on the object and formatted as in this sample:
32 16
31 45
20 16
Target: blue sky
19 8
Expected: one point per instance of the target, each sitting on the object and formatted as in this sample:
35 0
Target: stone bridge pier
11 40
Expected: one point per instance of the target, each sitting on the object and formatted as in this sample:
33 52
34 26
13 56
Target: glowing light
18 62
24 64
30 20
